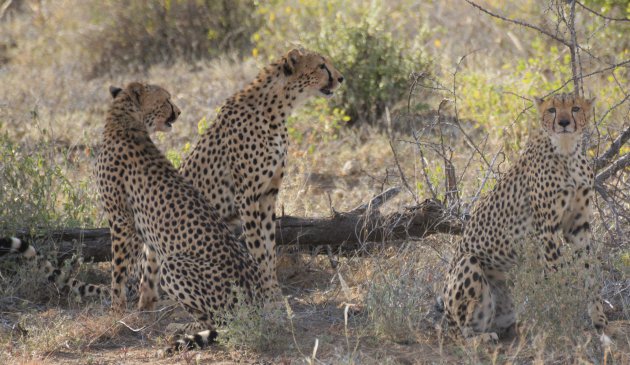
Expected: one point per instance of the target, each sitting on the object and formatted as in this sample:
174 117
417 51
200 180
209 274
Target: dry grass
368 308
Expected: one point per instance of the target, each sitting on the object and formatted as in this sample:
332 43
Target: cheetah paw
486 338
605 340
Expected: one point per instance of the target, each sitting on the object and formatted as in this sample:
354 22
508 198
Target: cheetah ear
290 60
114 91
591 101
538 101
135 90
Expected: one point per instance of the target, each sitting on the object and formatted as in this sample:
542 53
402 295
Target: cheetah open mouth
169 122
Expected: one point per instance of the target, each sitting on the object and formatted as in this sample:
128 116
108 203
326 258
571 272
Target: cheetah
239 162
199 262
548 192
130 248
61 278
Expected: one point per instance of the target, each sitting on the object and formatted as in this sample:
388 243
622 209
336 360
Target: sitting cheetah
130 247
201 265
546 193
62 279
238 164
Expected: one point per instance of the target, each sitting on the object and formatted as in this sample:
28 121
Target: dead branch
377 201
343 232
619 164
613 150
450 178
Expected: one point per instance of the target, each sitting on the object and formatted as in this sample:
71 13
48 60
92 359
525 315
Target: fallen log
342 232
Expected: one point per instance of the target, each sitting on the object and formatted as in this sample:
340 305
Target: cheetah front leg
268 225
577 232
251 215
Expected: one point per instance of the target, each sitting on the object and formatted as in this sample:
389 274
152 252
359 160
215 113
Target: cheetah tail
189 342
11 245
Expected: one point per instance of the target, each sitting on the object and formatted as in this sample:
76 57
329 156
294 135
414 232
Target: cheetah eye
575 109
322 66
552 110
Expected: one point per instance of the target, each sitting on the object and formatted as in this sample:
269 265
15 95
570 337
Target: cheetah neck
566 144
271 94
124 115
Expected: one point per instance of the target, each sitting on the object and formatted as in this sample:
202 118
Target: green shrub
137 34
35 192
317 122
361 42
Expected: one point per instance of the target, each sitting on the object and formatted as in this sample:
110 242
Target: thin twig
402 174
615 106
576 63
602 15
424 167
520 22
469 140
545 32
485 178
602 70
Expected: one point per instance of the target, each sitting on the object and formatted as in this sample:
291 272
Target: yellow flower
437 43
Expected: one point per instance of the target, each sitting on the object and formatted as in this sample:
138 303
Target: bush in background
363 41
36 193
141 33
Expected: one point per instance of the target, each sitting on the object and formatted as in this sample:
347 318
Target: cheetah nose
340 79
564 122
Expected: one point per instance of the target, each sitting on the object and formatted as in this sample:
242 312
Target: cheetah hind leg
469 301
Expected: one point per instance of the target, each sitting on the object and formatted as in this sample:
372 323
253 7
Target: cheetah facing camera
547 193
200 263
238 164
61 278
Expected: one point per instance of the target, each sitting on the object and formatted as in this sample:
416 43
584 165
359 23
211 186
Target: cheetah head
564 118
158 111
310 74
